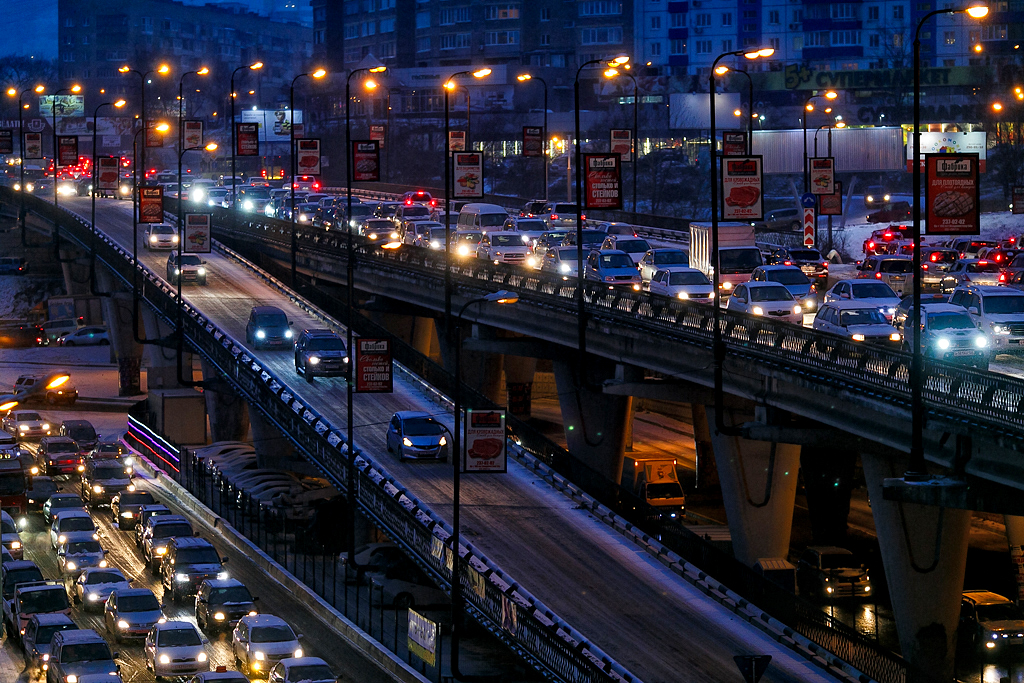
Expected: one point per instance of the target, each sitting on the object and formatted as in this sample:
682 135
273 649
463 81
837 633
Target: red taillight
934 256
554 216
924 266
878 276
1002 277
787 263
408 202
982 263
824 264
433 202
999 257
871 245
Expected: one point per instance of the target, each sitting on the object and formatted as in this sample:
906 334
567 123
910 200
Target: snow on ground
994 226
19 293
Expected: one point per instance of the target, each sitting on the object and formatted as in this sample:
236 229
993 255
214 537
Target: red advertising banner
602 181
734 144
622 144
67 150
365 161
247 139
484 441
373 366
1018 199
378 132
832 204
153 138
951 194
198 239
823 175
533 141
456 141
151 205
468 172
742 189
307 153
33 145
107 169
193 134
6 141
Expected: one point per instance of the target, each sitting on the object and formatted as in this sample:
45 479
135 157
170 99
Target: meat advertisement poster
456 141
107 171
468 172
247 139
365 161
307 153
742 189
67 150
485 442
6 141
951 194
734 144
193 134
533 141
823 175
373 366
602 181
378 132
153 137
33 145
151 205
197 233
832 204
622 144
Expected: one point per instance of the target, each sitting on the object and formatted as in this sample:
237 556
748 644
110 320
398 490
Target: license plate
963 352
895 278
807 269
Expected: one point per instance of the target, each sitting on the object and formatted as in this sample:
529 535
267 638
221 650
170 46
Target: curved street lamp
526 78
255 66
318 74
12 92
162 70
809 107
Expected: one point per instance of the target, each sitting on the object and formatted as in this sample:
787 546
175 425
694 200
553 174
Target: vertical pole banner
373 366
457 141
823 175
33 145
6 141
151 205
365 161
193 134
378 132
197 233
742 189
153 138
952 199
734 144
308 156
533 141
602 179
468 172
832 204
1018 199
484 441
247 139
422 637
67 150
107 169
622 144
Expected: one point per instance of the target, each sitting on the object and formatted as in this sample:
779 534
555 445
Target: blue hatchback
793 279
613 267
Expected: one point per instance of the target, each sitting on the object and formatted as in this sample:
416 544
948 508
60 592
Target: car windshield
12 482
491 220
564 208
422 426
507 240
96 578
688 279
950 321
16 576
771 293
895 266
162 230
1004 611
738 260
361 210
550 237
567 253
326 344
787 277
77 524
171 530
178 637
272 320
62 447
41 488
1002 305
113 448
80 547
198 556
941 256
257 194
110 470
66 502
873 290
805 255
83 433
616 261
312 672
983 267
473 237
218 596
139 498
26 417
531 226
85 652
861 316
190 260
591 236
666 258
137 603
666 490
417 211
48 600
272 634
44 634
437 234
7 527
632 246
837 561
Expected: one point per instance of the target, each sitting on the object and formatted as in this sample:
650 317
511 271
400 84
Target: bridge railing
951 391
509 612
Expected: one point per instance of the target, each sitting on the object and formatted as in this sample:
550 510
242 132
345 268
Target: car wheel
795 226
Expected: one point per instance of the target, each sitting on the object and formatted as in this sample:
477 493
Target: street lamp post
21 145
163 70
231 96
522 78
53 111
750 112
181 147
319 73
95 178
917 464
499 297
161 129
636 110
809 106
718 346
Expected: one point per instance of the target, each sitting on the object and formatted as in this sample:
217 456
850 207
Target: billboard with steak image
151 205
742 190
308 155
485 442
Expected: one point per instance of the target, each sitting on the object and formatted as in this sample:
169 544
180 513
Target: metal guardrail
512 614
959 394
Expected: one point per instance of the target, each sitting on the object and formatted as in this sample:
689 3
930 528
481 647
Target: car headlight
165 659
162 620
161 551
314 360
61 538
287 334
564 268
71 678
435 244
33 470
981 342
201 271
298 653
129 462
302 218
259 656
1000 329
102 564
219 616
442 442
895 336
809 304
797 310
757 310
23 428
201 657
942 343
177 271
93 597
260 334
463 250
131 487
97 489
125 189
71 566
15 545
253 613
174 239
46 656
181 577
222 576
683 295
247 205
726 285
531 261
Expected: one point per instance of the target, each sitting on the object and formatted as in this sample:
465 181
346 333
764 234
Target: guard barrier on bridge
954 393
525 624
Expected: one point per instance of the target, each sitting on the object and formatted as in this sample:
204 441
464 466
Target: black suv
58 454
190 268
268 326
188 562
104 479
320 352
126 505
83 433
220 603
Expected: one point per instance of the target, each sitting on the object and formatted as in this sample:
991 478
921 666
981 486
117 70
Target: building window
726 18
69 22
897 40
773 16
703 47
597 8
774 42
423 44
677 47
993 32
501 12
351 31
455 41
558 61
1000 6
545 39
386 26
387 50
846 37
897 11
353 54
874 40
85 39
726 46
67 56
949 37
873 13
609 35
924 7
749 14
545 14
798 43
318 36
351 7
147 25
656 22
454 15
655 49
369 28
749 28
843 10
501 38
423 20
703 20
677 20
798 16
817 39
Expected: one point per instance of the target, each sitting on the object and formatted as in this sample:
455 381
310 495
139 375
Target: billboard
107 169
275 125
365 161
468 172
602 181
823 175
67 150
742 189
247 140
622 144
484 439
423 637
690 111
151 205
1018 199
949 143
33 145
374 373
378 132
153 138
193 134
307 154
6 141
197 233
952 197
533 141
734 144
832 204
62 105
456 141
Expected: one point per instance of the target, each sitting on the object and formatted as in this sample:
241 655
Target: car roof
125 592
758 285
678 269
266 310
73 512
320 332
304 661
80 635
57 439
156 507
264 620
175 625
221 676
605 252
76 423
52 619
190 542
165 519
779 267
77 536
36 586
408 414
992 290
829 550
94 570
851 304
19 564
60 496
224 583
983 597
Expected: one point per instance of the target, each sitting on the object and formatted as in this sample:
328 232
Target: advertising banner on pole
67 150
365 161
247 139
151 205
153 138
468 172
106 173
378 132
307 153
533 141
951 194
823 175
832 204
622 144
373 366
742 189
33 145
6 141
950 143
197 233
422 640
484 439
456 141
734 144
193 134
1018 199
602 181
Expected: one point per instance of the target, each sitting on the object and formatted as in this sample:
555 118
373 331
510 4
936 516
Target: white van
482 217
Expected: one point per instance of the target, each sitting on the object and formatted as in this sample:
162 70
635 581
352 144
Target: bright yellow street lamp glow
523 77
125 69
611 73
120 103
809 107
8 405
831 95
480 73
210 146
378 69
721 70
39 88
12 92
164 69
370 84
161 127
828 110
450 85
766 52
840 124
997 106
977 48
319 73
256 65
619 61
737 112
977 11
203 71
76 88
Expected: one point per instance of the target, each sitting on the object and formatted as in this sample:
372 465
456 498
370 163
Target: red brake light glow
878 276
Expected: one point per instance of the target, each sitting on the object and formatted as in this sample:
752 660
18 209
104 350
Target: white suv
999 311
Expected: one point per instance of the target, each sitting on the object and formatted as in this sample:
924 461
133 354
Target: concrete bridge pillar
519 384
117 309
273 449
228 412
828 481
424 336
758 480
924 550
707 468
76 272
161 361
1015 539
596 423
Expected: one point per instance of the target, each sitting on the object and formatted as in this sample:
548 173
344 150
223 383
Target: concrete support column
707 469
924 550
519 384
828 480
161 361
595 422
758 481
1015 539
273 449
228 413
117 309
76 272
424 336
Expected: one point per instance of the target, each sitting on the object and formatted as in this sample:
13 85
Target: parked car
13 265
85 336
125 507
878 239
302 669
560 261
877 293
792 278
39 634
635 247
782 220
95 584
54 388
61 501
58 455
187 563
104 479
81 432
504 247
26 425
80 550
935 262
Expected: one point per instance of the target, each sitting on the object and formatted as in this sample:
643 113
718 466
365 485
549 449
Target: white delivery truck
737 253
655 482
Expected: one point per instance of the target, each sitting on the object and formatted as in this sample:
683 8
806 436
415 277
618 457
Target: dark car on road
268 327
320 352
